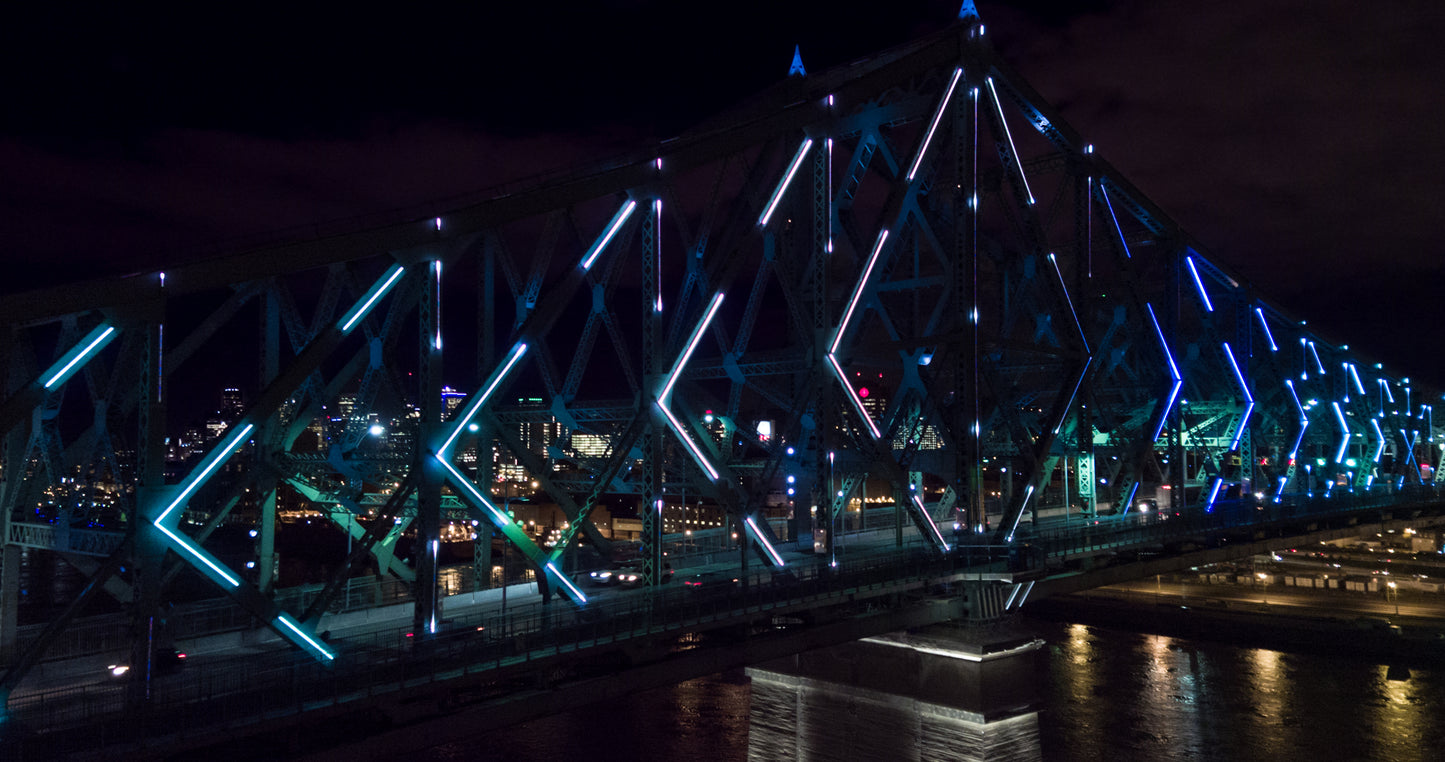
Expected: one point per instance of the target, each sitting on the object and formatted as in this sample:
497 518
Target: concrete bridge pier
944 692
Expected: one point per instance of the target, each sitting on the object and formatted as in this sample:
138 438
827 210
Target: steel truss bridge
906 278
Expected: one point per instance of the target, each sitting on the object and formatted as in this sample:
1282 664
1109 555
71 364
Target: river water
1105 696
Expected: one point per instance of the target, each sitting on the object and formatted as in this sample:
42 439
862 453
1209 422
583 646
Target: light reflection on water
1106 696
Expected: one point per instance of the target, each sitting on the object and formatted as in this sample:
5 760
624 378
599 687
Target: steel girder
1031 331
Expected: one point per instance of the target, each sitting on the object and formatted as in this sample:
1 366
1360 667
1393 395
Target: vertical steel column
266 437
821 505
427 612
651 509
968 458
11 443
486 360
1083 273
1174 302
149 550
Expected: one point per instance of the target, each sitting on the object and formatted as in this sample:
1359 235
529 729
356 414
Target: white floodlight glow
1013 150
291 625
612 227
1273 347
783 184
1249 398
767 546
933 125
481 399
1203 295
370 298
75 359
937 535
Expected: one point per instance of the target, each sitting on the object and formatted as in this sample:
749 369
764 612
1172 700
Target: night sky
1298 141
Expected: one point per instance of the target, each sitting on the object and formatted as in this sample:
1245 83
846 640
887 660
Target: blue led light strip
290 624
466 485
1080 382
767 546
76 358
937 535
1129 501
664 399
1104 191
1249 398
1273 347
1355 376
1344 438
612 227
1283 480
370 298
1318 365
1173 373
1303 419
933 125
491 387
783 184
1018 162
1381 436
1203 295
1213 494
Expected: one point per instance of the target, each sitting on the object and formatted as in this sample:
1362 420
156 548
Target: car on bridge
166 661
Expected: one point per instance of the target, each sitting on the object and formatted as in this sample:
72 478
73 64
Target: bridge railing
242 690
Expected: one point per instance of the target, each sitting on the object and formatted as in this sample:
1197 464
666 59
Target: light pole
1392 592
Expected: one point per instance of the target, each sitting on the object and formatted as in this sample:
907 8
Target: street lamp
1392 592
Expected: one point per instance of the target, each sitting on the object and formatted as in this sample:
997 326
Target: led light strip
437 342
75 359
937 535
1213 493
1249 398
476 404
1104 191
1345 438
1018 162
370 298
1273 347
831 354
767 546
1080 382
1283 480
1173 373
1303 419
783 184
572 588
1055 262
1381 435
1355 376
290 624
1318 365
664 399
1028 493
1129 501
1199 283
657 248
937 117
612 227
198 477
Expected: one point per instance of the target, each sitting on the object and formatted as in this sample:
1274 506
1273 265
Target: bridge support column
946 692
9 600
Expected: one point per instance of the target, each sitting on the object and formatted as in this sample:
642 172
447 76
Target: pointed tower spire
797 70
968 11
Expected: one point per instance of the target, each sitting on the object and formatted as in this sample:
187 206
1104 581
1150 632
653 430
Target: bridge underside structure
904 282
